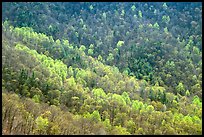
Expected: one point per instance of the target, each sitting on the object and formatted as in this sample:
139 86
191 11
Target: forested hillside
101 68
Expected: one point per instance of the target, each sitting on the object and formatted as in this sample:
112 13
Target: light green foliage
100 58
27 33
197 101
125 72
156 88
110 57
155 11
157 132
133 7
91 7
82 48
130 126
5 24
66 42
196 119
90 51
118 99
95 116
123 13
180 88
196 50
165 19
104 15
71 82
120 44
98 93
139 131
141 26
165 6
107 124
116 51
80 73
118 130
55 129
70 71
156 25
77 34
58 42
42 124
150 108
150 25
188 119
136 105
170 64
195 88
55 67
166 30
36 98
126 97
81 21
187 93
91 46
140 14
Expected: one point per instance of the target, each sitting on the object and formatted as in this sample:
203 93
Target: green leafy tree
165 6
41 125
118 130
156 25
165 19
140 14
133 7
120 44
180 88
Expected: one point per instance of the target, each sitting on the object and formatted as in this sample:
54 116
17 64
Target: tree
140 14
151 95
133 7
130 126
126 98
110 58
42 124
120 119
123 13
139 131
53 96
166 30
100 58
165 19
164 98
98 93
120 44
107 124
82 48
91 7
196 101
156 25
165 6
180 88
58 42
118 130
96 116
187 93
150 108
90 51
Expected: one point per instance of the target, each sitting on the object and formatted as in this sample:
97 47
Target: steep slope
158 42
60 74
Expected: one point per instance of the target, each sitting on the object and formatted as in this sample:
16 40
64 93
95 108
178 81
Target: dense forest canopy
102 68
